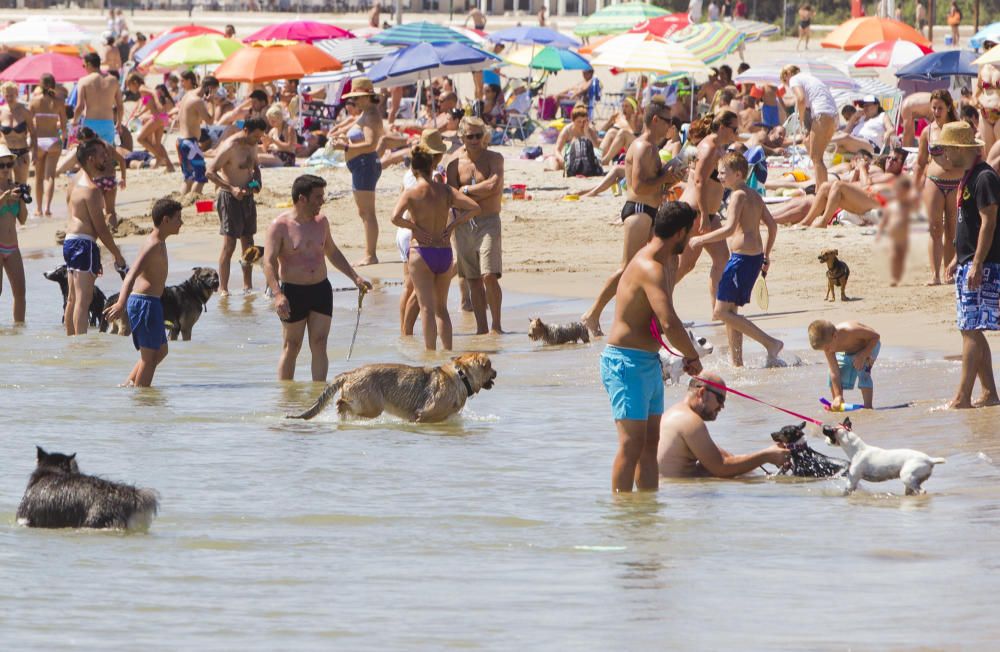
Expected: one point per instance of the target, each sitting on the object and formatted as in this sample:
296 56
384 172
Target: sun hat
957 134
360 87
431 140
5 152
869 99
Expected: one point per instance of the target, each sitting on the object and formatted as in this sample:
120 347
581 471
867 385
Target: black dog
58 275
58 495
182 304
805 462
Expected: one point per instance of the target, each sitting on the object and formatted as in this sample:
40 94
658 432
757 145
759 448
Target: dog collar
465 381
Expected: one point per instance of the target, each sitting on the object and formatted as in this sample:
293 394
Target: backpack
581 160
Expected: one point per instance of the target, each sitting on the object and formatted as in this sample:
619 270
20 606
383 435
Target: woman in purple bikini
431 204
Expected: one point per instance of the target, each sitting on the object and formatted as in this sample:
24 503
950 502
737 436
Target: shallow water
494 530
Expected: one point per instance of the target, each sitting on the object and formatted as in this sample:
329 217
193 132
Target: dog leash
361 297
655 330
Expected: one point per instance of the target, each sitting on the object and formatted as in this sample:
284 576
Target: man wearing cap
976 266
98 100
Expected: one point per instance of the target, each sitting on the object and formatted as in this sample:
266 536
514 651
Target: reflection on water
490 530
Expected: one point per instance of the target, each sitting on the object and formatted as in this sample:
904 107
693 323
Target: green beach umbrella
618 18
420 32
548 58
196 51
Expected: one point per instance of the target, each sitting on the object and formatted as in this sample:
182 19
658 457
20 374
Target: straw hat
431 140
361 87
958 134
5 152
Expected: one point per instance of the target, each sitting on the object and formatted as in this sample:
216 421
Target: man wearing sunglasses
686 450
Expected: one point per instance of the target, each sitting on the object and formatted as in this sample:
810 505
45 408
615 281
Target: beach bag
757 161
547 107
531 153
582 161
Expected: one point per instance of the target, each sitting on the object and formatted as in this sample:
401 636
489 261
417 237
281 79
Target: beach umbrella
420 32
266 61
162 40
425 60
548 58
771 74
991 56
354 49
477 36
887 54
64 67
709 41
530 35
648 53
618 18
662 26
988 33
859 32
195 51
754 30
39 30
305 31
949 63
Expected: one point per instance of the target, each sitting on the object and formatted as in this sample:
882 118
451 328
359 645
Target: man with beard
630 364
686 449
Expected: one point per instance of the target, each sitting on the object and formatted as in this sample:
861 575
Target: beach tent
44 30
304 31
263 62
64 67
615 19
859 32
528 35
887 54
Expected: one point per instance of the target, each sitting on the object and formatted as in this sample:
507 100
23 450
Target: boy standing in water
145 310
851 349
748 258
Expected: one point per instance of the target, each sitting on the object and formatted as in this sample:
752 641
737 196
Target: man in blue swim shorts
192 113
630 364
98 100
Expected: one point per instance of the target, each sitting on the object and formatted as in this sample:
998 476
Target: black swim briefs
303 299
633 207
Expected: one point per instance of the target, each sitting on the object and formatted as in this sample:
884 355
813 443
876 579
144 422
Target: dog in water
182 304
58 275
804 462
58 495
557 333
672 366
252 254
876 464
837 273
424 394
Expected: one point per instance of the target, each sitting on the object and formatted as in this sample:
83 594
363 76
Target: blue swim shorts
979 309
736 284
105 129
634 382
145 315
192 160
365 172
82 254
769 115
849 376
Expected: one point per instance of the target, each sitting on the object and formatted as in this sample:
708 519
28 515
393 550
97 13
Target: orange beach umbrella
859 32
267 61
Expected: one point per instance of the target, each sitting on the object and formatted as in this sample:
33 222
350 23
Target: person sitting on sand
686 449
578 127
279 143
856 195
670 150
620 130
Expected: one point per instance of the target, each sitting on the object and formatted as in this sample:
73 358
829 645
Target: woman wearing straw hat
362 160
12 207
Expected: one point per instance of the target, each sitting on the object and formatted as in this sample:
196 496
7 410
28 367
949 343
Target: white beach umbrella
648 53
38 30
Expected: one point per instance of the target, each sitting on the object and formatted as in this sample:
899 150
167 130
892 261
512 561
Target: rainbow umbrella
267 61
859 32
614 19
63 67
771 74
887 54
709 41
156 45
305 31
662 26
548 58
195 51
421 32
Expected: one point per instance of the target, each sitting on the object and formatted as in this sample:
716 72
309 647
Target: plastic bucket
518 191
205 206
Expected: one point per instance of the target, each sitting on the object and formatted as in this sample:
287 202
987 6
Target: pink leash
655 330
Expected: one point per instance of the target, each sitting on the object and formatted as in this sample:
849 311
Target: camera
23 191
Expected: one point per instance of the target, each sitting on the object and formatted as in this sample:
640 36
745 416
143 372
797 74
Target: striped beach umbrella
421 32
770 73
887 54
615 19
709 41
648 53
754 30
349 50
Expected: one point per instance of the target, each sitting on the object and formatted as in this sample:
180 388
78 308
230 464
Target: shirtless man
375 16
110 55
749 258
686 449
646 179
477 18
85 225
478 173
98 100
235 172
192 113
630 364
296 243
704 193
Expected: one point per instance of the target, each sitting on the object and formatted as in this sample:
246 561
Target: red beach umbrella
662 26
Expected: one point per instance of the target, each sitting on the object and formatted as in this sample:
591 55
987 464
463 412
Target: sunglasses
6 166
935 150
475 136
719 396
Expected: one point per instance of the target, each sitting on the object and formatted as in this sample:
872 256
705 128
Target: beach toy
571 198
798 175
760 294
838 158
851 407
204 206
518 191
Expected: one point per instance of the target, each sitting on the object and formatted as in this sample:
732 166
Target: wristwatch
465 190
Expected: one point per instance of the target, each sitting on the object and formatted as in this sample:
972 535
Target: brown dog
252 254
837 273
425 394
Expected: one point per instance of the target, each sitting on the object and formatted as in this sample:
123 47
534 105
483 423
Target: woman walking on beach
362 160
805 21
48 116
430 204
156 107
954 20
937 187
12 207
16 130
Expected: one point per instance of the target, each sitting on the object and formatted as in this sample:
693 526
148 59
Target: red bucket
205 206
518 191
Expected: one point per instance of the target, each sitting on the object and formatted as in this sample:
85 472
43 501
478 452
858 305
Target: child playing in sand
896 222
749 257
851 349
145 311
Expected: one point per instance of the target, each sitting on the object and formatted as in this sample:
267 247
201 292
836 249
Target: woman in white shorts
817 111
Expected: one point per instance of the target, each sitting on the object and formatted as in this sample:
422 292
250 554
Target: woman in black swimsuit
805 20
16 129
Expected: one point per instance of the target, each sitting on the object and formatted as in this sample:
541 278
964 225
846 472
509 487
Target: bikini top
19 128
13 209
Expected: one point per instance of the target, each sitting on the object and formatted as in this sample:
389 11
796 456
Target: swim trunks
192 160
237 217
979 309
849 375
365 172
303 299
145 316
82 254
477 246
634 382
633 207
105 129
769 115
738 278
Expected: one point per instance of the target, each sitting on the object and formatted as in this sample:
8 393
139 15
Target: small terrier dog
837 273
672 366
876 464
58 495
557 333
804 462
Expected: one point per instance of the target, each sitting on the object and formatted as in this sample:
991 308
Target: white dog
876 464
673 365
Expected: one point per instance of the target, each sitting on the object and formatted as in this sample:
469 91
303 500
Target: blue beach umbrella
949 63
425 60
534 36
988 33
421 32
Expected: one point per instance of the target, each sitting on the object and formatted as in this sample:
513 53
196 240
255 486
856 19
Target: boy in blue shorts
145 283
851 349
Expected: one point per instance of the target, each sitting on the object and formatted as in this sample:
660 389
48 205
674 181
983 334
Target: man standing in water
630 364
237 175
85 225
646 178
192 113
478 173
98 100
297 242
